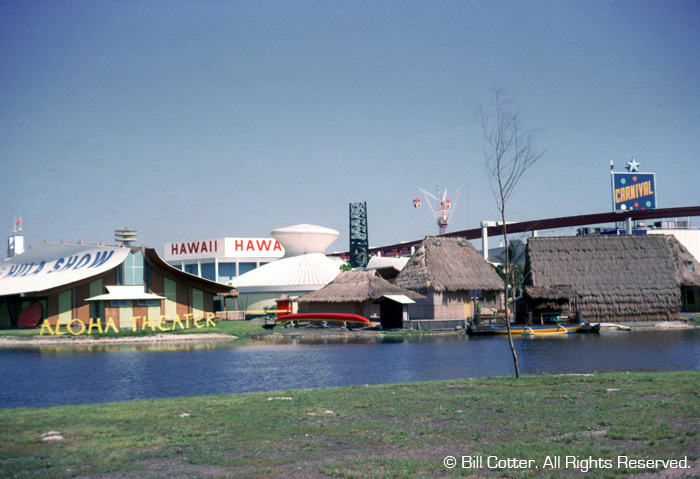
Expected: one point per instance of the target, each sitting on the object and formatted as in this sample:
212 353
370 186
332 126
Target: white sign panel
26 276
224 248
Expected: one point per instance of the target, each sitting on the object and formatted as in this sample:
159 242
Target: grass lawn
384 431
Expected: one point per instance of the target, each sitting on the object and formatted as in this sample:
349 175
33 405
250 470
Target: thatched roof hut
618 278
356 286
362 292
448 264
452 274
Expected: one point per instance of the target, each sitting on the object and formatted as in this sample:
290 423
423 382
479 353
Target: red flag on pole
18 222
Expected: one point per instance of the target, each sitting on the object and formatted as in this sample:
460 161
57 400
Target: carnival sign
634 191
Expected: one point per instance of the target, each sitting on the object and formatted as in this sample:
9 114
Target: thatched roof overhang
448 264
356 286
688 266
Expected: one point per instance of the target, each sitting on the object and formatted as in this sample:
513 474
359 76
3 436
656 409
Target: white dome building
304 268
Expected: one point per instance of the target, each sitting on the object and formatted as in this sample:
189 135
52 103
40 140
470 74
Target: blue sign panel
634 191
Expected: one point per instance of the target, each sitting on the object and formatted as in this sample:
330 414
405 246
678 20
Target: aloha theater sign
77 327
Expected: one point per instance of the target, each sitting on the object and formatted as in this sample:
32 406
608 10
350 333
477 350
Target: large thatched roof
551 293
448 264
355 287
619 278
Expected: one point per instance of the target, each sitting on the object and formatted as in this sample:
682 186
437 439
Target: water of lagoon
59 375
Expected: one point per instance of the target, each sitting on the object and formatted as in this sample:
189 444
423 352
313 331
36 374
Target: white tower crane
444 207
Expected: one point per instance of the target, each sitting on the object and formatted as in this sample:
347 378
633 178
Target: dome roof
303 272
303 239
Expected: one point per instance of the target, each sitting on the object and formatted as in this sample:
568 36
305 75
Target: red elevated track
547 224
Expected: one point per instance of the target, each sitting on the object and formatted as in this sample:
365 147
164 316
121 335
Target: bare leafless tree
509 152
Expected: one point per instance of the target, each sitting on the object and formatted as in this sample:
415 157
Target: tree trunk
505 290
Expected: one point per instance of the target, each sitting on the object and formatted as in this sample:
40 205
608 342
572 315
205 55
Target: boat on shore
329 317
529 330
537 329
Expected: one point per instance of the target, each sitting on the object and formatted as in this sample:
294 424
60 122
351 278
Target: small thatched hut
617 278
450 272
359 292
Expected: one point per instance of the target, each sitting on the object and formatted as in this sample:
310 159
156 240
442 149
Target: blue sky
196 120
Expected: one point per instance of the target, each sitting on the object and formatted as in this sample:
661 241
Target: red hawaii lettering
173 249
204 247
194 247
239 245
277 247
264 245
250 246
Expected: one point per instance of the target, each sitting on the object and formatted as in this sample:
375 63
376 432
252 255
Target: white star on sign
632 166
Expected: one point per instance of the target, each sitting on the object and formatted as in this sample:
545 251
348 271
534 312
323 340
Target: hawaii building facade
222 259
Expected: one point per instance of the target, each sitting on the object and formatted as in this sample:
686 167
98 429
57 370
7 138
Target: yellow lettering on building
94 324
177 321
76 327
148 321
110 323
70 327
46 326
134 323
161 323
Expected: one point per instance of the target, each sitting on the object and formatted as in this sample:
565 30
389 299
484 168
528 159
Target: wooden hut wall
423 308
619 278
442 305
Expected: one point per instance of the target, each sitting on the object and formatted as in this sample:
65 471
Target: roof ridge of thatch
356 286
447 263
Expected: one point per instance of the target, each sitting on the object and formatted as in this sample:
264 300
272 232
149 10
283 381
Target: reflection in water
117 372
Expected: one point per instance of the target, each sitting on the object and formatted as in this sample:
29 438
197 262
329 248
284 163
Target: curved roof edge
157 263
54 266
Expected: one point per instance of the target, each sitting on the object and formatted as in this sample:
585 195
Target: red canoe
347 318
